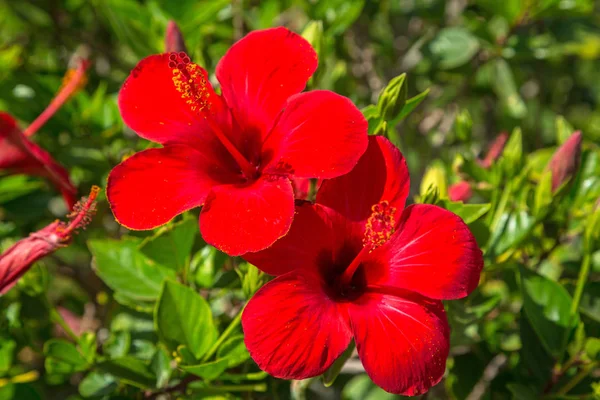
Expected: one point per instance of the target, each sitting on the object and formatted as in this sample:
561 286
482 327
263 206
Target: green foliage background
157 313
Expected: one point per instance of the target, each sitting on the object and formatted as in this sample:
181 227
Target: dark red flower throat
344 274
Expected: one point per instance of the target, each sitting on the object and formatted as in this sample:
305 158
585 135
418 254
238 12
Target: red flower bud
495 150
460 191
565 161
15 261
174 39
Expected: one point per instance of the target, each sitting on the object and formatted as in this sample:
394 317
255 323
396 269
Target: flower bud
565 161
393 98
495 150
17 260
174 39
460 191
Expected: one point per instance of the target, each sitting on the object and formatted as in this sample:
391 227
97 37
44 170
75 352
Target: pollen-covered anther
190 80
380 225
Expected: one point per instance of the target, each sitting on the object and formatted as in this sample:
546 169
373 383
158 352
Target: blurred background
474 69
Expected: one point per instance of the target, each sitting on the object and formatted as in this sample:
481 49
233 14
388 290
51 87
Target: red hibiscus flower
17 260
358 265
234 153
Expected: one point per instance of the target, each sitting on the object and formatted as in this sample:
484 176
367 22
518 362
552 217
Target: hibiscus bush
299 199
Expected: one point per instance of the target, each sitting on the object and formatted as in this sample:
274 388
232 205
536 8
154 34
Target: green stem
576 379
581 280
251 376
232 326
254 387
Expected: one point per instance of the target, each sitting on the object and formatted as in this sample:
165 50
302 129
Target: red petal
309 237
151 105
380 175
153 186
403 342
20 155
240 218
260 72
292 329
319 134
432 253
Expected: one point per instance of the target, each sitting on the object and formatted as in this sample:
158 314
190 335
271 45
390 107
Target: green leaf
332 372
171 245
512 155
126 270
543 193
410 105
506 89
454 47
117 344
62 357
161 366
87 346
547 306
97 384
13 187
592 349
522 392
182 316
563 129
371 112
463 126
234 350
210 370
7 349
129 370
590 301
361 387
468 212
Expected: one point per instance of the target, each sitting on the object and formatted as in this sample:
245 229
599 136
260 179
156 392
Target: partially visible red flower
495 150
460 191
20 155
174 39
358 265
235 153
17 260
565 161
